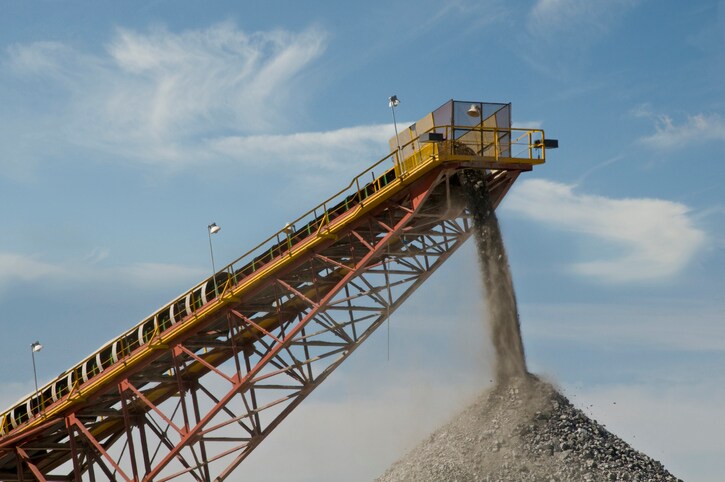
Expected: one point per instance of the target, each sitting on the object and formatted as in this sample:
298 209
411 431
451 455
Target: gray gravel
525 431
503 316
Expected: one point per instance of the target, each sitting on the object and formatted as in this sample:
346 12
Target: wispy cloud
161 97
655 239
549 17
157 274
329 149
20 269
694 130
175 80
600 165
652 324
530 124
47 60
549 27
17 267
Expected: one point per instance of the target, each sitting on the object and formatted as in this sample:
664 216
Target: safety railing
438 144
493 144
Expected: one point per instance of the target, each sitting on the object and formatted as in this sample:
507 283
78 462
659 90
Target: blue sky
126 128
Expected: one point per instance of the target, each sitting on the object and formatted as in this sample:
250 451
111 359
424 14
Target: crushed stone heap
524 430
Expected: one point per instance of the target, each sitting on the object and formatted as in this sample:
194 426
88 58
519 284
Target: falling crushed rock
503 316
523 429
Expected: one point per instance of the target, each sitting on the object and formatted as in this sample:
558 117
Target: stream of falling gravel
501 305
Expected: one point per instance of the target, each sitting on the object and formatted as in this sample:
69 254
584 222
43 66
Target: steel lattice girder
204 404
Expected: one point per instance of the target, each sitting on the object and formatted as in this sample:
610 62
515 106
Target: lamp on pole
393 103
213 229
35 347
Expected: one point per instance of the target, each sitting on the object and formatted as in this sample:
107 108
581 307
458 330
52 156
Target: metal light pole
35 346
213 229
392 103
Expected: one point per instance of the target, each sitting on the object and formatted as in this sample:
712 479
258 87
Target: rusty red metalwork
200 406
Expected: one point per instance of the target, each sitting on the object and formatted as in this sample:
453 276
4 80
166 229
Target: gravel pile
525 431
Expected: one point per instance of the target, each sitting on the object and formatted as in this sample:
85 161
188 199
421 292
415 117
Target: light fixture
474 110
392 103
35 347
213 229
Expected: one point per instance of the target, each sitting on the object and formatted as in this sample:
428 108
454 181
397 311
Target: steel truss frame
204 404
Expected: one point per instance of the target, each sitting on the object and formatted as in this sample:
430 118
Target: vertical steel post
392 103
129 431
213 228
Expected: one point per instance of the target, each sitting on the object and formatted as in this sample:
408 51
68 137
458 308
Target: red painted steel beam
244 382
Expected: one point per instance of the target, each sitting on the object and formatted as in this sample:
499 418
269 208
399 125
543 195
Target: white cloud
696 129
178 80
655 238
600 165
558 35
161 97
531 124
642 110
18 269
591 17
329 149
96 255
47 59
157 274
659 324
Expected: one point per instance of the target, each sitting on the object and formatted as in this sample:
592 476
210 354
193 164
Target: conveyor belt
143 353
